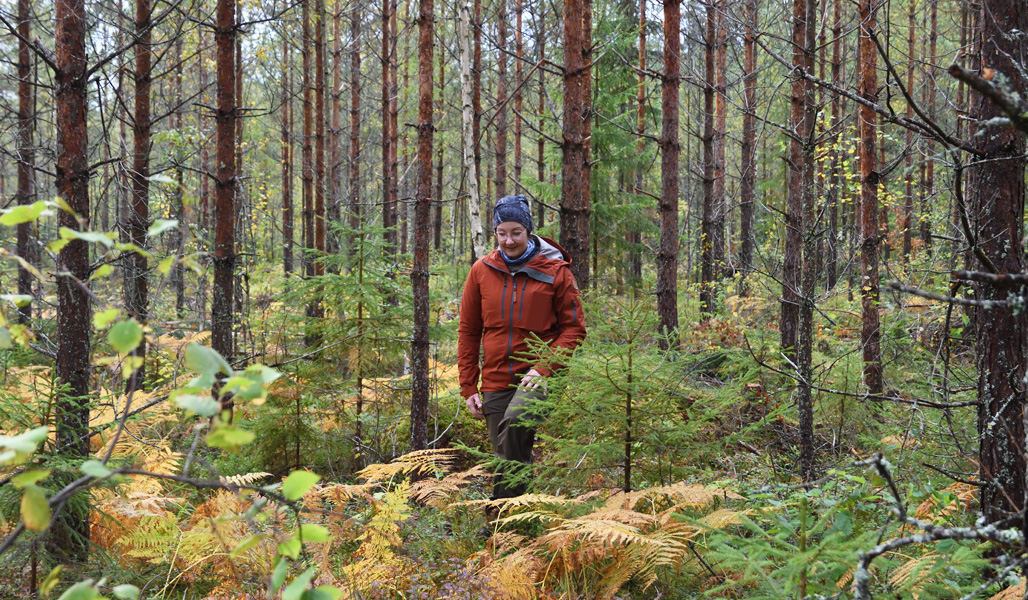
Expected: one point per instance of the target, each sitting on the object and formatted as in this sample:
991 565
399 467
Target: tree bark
26 153
834 179
469 136
388 208
574 205
635 237
73 298
501 99
811 241
138 221
333 210
749 137
720 206
995 190
437 217
225 184
420 269
287 160
870 336
908 171
708 209
356 214
519 53
177 237
670 148
792 264
319 143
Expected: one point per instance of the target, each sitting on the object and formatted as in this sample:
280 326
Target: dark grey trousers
512 432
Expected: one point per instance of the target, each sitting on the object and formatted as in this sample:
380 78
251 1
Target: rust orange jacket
499 311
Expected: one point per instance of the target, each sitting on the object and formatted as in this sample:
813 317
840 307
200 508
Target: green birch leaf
160 226
125 336
35 509
83 590
94 468
102 319
298 586
278 574
201 404
101 271
164 267
27 478
22 214
314 534
228 437
19 300
297 484
204 360
126 591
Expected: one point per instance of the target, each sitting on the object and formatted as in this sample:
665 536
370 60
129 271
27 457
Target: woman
522 289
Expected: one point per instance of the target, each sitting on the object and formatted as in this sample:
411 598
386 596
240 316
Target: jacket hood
550 256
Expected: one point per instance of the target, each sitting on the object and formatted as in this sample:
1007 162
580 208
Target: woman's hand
533 380
474 402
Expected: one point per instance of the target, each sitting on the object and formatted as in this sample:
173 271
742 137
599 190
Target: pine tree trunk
287 160
540 141
749 134
720 206
394 130
908 171
356 214
420 269
177 236
388 208
792 264
869 230
519 53
136 278
634 237
319 144
71 414
995 193
437 217
333 210
501 99
928 189
574 205
26 153
670 148
811 240
225 184
834 178
469 136
707 223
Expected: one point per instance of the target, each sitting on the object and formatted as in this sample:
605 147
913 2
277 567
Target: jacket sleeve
567 305
469 335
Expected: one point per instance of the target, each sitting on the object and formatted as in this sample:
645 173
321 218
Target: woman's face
512 238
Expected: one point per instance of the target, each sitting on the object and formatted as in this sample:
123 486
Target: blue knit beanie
513 208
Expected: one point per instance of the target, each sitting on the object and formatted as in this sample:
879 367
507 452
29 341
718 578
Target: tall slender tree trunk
870 336
720 207
394 118
748 171
388 208
319 143
138 221
177 237
707 224
519 53
437 217
995 192
356 214
287 160
333 210
811 241
419 272
908 171
928 189
670 148
834 178
26 153
307 150
792 265
540 141
73 302
468 136
635 237
225 180
574 205
476 93
501 99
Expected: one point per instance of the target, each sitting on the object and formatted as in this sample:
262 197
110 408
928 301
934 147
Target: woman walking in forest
522 289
